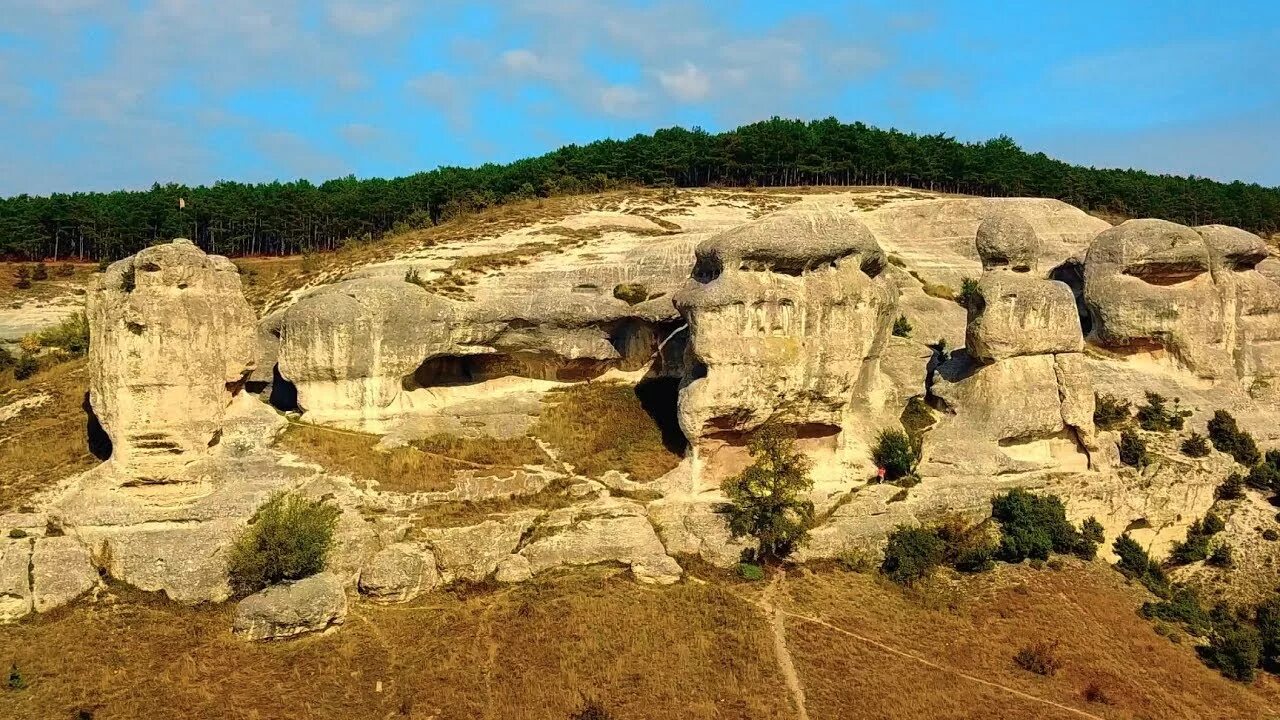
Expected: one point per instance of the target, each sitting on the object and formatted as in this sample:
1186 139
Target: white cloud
689 84
621 100
359 134
366 17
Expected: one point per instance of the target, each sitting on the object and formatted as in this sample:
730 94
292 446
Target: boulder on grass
282 611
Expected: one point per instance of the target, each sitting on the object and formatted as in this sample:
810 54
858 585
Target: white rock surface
282 611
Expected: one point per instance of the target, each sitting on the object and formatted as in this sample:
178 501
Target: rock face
1192 296
399 573
1020 393
473 552
367 351
15 583
172 341
785 315
61 571
608 530
283 611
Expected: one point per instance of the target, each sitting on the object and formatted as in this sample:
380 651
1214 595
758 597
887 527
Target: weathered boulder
1148 287
282 611
606 530
784 316
399 573
473 552
1006 240
172 343
1019 314
61 571
15 583
1251 306
513 569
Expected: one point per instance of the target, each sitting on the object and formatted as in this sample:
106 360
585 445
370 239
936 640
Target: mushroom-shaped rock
1019 314
1148 286
172 342
347 348
783 316
1006 240
281 611
1231 248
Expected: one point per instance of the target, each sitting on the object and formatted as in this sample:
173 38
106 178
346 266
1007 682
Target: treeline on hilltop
235 218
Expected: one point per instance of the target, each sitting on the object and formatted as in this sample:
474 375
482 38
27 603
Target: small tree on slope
768 498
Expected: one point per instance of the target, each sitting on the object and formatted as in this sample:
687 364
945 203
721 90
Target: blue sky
104 94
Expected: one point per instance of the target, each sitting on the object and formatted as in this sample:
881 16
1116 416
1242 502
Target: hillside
522 420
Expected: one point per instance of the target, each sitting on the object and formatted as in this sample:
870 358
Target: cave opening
95 435
1071 274
456 370
284 394
660 398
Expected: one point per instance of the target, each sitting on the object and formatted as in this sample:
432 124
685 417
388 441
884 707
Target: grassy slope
693 650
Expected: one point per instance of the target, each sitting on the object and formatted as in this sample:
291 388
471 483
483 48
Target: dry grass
602 426
427 465
533 652
46 443
978 627
57 285
692 650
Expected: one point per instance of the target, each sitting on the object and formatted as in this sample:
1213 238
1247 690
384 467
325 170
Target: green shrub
1032 526
1196 547
7 360
411 276
1235 649
631 293
969 297
750 571
41 271
1231 489
1222 556
1196 446
22 277
1181 604
66 269
1135 563
71 335
966 548
1110 412
893 452
912 554
902 327
1091 536
916 417
25 366
288 538
767 499
16 681
1133 450
1263 477
1155 417
1227 437
1267 619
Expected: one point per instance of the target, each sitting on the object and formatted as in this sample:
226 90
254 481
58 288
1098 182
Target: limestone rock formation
61 571
473 552
283 611
1019 393
15 583
172 343
606 530
367 352
785 315
399 573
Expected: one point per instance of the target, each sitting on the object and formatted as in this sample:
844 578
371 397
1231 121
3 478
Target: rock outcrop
786 316
172 343
282 611
1019 393
399 573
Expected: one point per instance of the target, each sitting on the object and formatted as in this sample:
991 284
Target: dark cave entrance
660 396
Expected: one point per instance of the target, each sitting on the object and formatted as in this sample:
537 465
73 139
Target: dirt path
780 649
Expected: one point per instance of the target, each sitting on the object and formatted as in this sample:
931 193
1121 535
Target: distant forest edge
235 218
